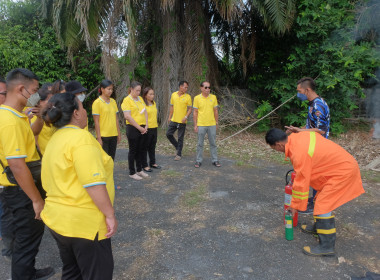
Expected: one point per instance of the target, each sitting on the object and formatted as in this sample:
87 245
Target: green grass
194 197
170 173
371 176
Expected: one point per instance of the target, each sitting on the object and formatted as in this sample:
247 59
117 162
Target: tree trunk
184 52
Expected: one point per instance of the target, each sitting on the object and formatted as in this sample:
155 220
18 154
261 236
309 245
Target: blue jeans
211 134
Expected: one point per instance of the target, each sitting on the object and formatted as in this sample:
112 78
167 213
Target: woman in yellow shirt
136 116
151 141
104 111
77 177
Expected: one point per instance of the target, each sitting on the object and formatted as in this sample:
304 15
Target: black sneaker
44 273
309 210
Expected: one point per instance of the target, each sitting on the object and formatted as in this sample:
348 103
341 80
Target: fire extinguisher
288 195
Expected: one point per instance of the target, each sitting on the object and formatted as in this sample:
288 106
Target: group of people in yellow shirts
72 191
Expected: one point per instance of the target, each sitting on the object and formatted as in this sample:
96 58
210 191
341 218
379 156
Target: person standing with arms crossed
318 119
180 109
205 117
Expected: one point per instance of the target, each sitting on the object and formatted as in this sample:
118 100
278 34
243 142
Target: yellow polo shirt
137 109
152 115
74 161
16 139
205 106
180 105
44 137
107 113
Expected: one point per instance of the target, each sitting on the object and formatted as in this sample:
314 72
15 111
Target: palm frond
278 15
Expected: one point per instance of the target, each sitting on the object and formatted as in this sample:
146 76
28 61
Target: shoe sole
319 255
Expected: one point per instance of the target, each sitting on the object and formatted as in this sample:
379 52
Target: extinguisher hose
287 178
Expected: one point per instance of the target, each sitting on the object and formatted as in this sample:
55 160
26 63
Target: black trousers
109 145
136 142
7 229
173 126
150 148
85 259
28 231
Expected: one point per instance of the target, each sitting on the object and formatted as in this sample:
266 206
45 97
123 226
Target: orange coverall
326 167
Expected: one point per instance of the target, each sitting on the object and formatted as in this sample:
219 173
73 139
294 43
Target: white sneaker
135 177
142 174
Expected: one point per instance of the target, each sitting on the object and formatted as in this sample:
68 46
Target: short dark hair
21 75
44 91
60 109
181 83
307 82
201 85
275 135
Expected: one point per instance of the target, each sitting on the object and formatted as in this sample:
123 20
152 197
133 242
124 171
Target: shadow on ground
224 223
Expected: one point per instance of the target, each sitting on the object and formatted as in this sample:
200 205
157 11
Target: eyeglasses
207 87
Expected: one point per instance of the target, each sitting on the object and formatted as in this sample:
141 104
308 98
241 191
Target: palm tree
173 35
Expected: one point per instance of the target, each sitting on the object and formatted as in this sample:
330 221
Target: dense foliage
29 41
325 41
324 45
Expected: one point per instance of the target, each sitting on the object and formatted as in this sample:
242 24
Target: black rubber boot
327 235
310 229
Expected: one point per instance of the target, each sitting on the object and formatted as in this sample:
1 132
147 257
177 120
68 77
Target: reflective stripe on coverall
327 167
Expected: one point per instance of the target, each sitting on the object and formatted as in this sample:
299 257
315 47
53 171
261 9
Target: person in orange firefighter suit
329 169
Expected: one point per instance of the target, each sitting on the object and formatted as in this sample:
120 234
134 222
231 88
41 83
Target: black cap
74 87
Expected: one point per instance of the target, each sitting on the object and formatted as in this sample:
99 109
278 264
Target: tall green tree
172 40
332 46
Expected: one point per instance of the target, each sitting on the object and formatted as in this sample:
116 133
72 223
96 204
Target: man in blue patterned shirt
318 118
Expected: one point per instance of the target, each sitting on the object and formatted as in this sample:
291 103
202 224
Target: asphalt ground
224 223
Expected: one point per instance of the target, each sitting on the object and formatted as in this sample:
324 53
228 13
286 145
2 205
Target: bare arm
37 126
184 120
146 120
97 128
100 197
128 117
118 129
216 115
195 119
25 181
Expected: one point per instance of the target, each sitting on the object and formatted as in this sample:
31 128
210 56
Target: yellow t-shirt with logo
180 105
152 115
205 106
107 113
136 107
16 139
74 161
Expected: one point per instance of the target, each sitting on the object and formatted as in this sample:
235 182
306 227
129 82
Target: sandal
216 163
197 164
156 166
146 169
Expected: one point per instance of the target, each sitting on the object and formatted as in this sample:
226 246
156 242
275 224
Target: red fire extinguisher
288 195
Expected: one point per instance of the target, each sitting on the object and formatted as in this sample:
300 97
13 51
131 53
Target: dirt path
224 223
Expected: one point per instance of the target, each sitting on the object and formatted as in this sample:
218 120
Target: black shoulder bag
34 167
